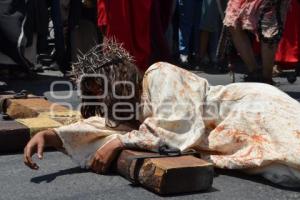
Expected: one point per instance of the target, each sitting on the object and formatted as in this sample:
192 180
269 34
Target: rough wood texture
13 136
30 108
39 124
168 175
63 117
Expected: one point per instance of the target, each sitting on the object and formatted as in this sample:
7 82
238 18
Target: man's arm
47 138
80 141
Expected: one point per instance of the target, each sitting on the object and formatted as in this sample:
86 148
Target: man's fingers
104 168
29 163
28 160
97 166
40 150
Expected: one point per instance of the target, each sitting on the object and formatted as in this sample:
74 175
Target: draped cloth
128 22
139 25
247 126
247 13
288 53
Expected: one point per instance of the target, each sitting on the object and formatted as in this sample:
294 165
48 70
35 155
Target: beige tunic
249 126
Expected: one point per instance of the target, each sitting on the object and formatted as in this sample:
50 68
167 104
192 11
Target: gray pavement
59 178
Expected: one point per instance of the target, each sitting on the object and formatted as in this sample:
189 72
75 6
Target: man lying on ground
252 127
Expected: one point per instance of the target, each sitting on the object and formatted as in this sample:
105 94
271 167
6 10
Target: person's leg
208 25
203 34
169 33
73 16
195 33
204 38
268 57
42 17
160 21
270 30
244 48
59 34
213 43
185 27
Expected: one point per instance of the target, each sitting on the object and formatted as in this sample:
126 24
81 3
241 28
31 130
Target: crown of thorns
100 56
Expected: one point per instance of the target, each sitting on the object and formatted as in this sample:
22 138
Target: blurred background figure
189 23
74 24
140 25
288 52
210 26
261 18
199 30
161 30
171 34
22 27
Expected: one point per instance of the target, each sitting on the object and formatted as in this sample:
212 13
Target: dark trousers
189 22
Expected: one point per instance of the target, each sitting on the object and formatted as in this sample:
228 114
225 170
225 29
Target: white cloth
247 126
82 139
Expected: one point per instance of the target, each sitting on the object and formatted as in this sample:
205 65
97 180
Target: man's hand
37 145
105 155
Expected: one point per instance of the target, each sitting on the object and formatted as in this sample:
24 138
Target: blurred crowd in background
48 34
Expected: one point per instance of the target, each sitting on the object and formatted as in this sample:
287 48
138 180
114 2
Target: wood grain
13 136
169 175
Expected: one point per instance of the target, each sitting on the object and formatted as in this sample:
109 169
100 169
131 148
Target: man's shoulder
161 68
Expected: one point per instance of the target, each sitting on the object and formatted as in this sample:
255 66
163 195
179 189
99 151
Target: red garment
288 53
139 25
129 22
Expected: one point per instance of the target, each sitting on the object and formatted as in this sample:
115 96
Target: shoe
38 68
3 86
184 61
270 82
195 61
53 67
276 71
184 58
252 77
255 76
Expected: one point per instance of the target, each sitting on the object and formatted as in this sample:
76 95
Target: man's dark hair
112 61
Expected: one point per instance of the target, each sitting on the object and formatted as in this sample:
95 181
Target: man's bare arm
47 138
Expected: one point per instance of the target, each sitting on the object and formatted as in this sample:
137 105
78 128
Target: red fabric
129 22
102 17
288 53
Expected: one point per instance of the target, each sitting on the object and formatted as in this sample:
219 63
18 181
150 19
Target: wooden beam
13 136
169 175
30 108
30 115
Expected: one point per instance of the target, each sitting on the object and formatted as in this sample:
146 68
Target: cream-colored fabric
238 126
82 139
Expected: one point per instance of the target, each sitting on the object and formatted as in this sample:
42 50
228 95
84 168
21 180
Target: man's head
110 83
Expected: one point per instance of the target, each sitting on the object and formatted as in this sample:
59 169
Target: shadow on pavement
253 178
51 177
211 190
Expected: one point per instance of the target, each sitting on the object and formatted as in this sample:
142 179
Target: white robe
249 126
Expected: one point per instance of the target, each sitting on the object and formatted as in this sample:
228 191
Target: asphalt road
59 178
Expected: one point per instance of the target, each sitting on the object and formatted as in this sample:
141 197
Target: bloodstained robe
248 126
288 52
